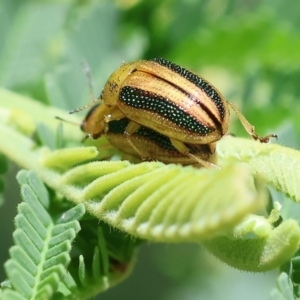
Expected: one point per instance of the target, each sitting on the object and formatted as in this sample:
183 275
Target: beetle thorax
112 87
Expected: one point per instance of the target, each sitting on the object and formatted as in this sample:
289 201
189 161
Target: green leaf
11 295
284 289
33 113
38 263
59 143
40 256
266 248
23 57
45 136
275 163
122 194
69 157
98 266
3 164
3 170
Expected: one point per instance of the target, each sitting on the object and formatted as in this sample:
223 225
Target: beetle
152 145
168 99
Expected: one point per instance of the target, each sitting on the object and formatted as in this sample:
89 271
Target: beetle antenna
88 75
67 121
87 71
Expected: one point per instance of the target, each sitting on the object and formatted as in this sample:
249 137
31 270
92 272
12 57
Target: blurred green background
249 49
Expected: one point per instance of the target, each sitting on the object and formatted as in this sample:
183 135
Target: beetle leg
182 148
250 128
131 128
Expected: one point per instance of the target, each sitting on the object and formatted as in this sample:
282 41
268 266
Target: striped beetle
152 145
168 99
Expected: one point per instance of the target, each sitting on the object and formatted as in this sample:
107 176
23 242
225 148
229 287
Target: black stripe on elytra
217 123
145 100
199 82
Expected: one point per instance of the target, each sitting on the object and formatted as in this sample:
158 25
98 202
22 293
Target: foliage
37 268
111 206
